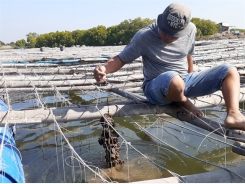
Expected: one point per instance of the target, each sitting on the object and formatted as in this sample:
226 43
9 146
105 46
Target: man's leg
176 94
231 94
169 87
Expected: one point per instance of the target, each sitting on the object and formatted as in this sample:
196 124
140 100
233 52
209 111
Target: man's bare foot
190 109
235 120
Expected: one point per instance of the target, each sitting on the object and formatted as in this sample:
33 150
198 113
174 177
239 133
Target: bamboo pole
212 100
141 108
62 76
202 122
93 112
27 65
37 71
48 83
214 50
82 113
43 82
133 90
76 88
214 57
125 67
219 46
61 70
126 78
119 73
41 77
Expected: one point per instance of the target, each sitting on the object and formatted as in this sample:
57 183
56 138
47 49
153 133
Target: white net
56 107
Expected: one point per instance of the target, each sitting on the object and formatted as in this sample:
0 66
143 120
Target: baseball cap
174 21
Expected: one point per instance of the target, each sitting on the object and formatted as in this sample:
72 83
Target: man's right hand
100 74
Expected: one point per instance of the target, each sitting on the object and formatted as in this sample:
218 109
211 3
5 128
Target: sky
20 17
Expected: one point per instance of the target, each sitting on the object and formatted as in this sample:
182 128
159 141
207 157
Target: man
166 48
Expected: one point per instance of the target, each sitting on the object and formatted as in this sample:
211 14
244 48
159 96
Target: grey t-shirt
157 56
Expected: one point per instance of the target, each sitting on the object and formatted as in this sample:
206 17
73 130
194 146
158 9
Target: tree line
120 34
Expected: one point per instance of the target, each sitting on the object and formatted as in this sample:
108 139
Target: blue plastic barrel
11 170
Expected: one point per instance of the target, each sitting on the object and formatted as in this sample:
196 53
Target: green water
46 156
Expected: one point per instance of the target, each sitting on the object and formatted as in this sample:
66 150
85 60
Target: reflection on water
46 156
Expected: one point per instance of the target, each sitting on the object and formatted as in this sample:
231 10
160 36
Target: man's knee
176 89
177 83
232 72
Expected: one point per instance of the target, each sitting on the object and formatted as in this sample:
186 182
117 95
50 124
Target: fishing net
69 129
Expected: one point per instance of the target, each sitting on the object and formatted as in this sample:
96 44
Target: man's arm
190 63
111 66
